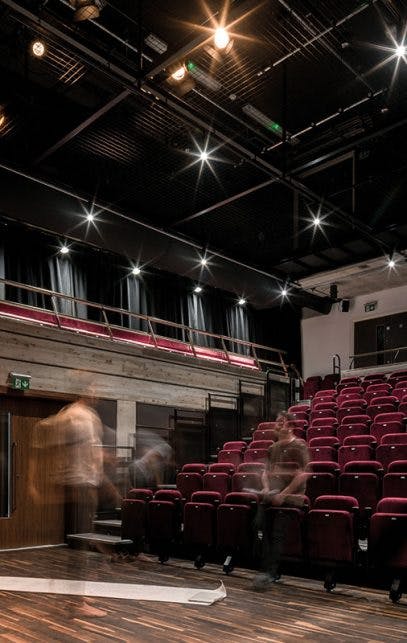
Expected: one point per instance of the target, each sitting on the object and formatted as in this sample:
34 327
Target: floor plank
292 610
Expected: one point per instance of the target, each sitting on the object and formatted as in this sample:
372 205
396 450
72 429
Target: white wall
324 335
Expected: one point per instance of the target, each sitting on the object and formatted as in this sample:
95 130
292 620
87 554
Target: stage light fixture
204 156
204 261
86 9
401 50
241 301
136 271
197 289
221 38
38 48
316 222
179 73
90 217
391 263
64 250
284 292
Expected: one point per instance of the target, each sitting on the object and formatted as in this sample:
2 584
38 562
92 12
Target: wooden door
35 520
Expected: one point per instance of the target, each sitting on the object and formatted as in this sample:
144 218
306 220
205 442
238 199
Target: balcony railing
221 348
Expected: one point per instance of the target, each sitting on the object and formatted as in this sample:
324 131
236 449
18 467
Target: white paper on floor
189 595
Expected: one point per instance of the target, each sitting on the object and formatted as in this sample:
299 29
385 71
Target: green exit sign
20 382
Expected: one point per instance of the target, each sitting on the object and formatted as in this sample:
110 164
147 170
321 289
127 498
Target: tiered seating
356 462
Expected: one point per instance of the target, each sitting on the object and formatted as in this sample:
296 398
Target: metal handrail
150 320
395 350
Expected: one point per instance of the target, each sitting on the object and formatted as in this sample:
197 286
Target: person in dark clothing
284 483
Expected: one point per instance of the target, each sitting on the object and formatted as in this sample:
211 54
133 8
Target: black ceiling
104 122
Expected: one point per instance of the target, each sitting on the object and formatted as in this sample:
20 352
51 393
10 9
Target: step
102 539
107 526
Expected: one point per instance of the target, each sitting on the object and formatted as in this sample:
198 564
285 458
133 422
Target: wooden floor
293 610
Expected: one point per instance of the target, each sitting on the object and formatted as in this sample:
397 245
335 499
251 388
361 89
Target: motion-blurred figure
73 437
149 470
284 483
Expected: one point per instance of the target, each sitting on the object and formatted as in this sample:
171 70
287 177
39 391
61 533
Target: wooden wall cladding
61 362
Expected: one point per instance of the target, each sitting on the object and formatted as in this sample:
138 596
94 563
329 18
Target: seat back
246 482
351 453
321 466
398 466
363 466
328 421
395 485
236 445
187 483
219 482
347 430
256 455
261 444
353 440
323 453
319 432
222 467
140 494
362 486
394 438
195 467
232 457
380 429
264 434
209 497
251 467
387 453
320 483
324 441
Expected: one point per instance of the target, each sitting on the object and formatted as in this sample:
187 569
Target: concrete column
126 422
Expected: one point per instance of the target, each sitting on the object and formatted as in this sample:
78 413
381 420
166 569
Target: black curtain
200 317
68 278
237 323
25 261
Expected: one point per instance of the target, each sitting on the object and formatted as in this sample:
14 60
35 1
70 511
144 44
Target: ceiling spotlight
391 263
64 250
241 301
37 48
204 156
204 261
284 292
316 221
136 271
86 9
179 73
401 51
221 38
90 217
197 289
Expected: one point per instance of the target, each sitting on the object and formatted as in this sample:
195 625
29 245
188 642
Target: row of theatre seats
313 385
334 533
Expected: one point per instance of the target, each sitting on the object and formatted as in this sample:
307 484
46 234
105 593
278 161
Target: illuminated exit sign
19 382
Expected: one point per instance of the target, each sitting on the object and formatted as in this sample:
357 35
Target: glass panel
6 466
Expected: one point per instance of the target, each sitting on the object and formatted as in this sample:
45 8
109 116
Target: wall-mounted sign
19 381
370 306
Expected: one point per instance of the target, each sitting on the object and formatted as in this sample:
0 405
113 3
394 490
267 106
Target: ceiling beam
84 125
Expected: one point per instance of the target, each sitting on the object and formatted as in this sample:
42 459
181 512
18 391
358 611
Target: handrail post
191 343
225 350
256 359
109 330
54 306
152 333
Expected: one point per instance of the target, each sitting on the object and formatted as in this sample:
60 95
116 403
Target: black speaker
345 304
333 291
